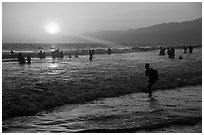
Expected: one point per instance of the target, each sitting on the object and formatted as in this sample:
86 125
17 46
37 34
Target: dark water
166 111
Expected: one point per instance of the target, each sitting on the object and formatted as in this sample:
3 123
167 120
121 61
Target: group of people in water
190 49
91 54
59 54
55 54
41 55
171 51
22 59
152 73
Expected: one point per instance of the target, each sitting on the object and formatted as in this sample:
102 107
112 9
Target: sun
52 28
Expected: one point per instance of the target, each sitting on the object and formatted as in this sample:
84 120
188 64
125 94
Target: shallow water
48 70
132 113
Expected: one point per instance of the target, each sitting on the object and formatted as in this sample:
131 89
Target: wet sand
175 110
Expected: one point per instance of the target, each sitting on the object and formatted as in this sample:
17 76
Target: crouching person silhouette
152 74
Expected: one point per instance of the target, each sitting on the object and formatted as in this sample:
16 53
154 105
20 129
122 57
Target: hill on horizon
187 32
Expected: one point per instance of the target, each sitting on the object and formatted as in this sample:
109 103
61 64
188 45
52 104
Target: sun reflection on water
53 65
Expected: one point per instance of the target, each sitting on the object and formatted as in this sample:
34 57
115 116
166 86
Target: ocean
49 47
93 93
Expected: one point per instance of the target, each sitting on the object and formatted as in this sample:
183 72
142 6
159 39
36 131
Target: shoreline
175 110
89 100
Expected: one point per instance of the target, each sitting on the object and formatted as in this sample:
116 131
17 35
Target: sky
31 22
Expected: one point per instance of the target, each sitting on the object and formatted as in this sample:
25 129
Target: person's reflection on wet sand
153 104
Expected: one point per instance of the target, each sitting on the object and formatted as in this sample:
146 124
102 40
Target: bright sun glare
52 28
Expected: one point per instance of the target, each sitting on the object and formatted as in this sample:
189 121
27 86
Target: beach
47 83
177 110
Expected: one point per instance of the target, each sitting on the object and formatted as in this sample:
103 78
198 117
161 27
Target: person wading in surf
152 74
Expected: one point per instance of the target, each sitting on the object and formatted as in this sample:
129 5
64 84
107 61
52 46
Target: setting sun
52 28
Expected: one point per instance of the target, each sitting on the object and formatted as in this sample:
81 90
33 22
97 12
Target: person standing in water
190 49
21 58
185 49
168 52
109 51
28 59
152 74
90 55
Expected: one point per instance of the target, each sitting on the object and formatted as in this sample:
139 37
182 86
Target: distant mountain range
183 32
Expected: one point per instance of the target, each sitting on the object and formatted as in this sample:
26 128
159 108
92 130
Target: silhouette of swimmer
21 58
185 49
109 51
190 49
28 59
168 52
162 51
180 57
152 74
12 52
40 54
90 54
171 52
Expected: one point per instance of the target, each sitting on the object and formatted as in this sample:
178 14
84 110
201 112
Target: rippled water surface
132 113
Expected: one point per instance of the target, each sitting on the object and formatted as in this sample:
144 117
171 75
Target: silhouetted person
28 59
40 54
109 51
162 51
190 49
12 52
180 57
90 54
152 74
21 58
76 56
172 52
169 52
185 49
